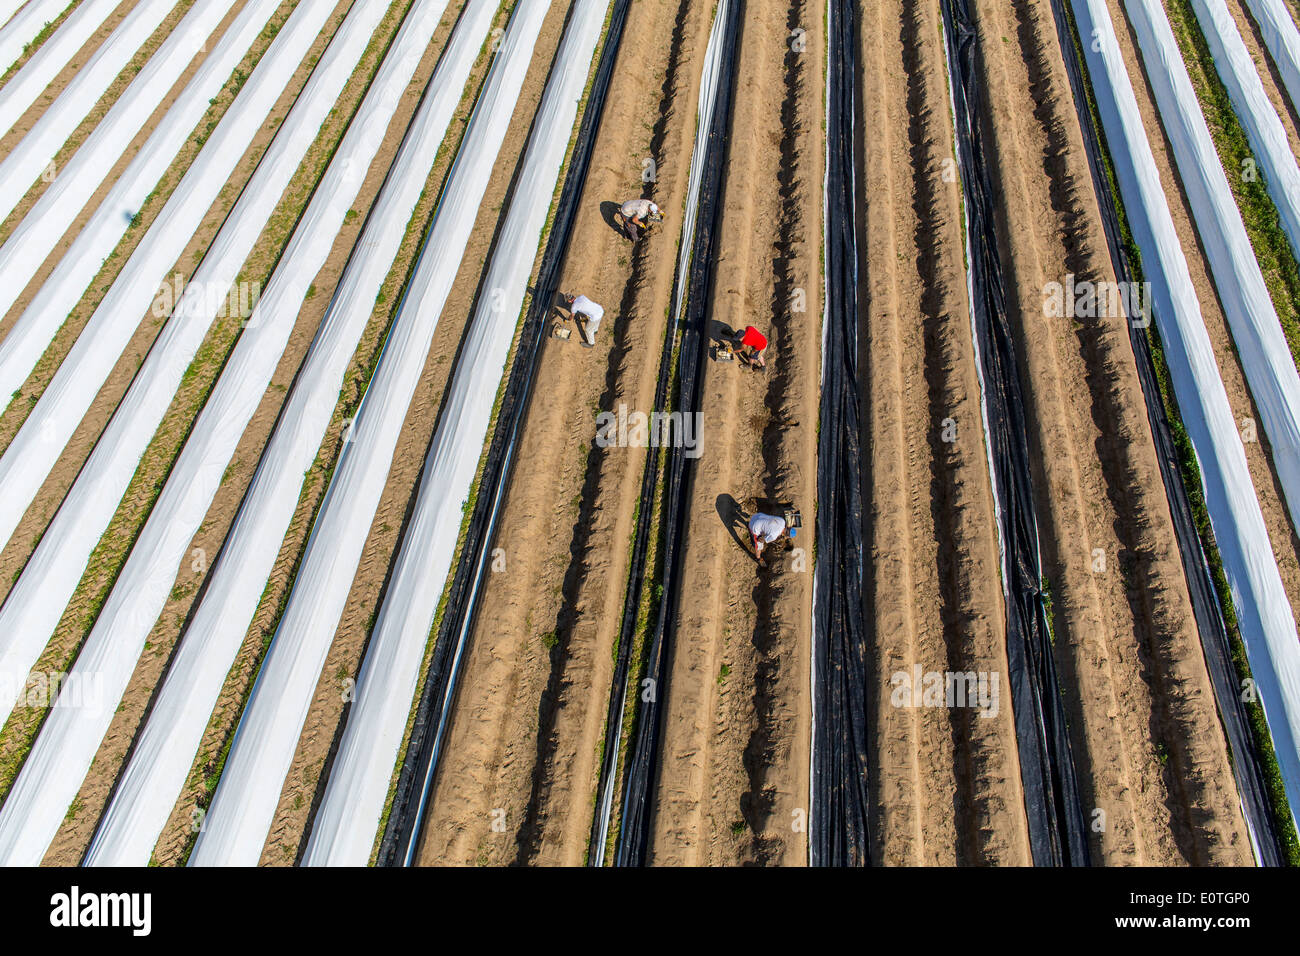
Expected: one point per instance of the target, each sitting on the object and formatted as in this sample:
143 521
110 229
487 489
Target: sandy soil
526 734
113 548
39 41
1264 67
733 778
56 486
1148 745
151 208
945 783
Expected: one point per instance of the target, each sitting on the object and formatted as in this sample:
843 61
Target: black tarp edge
1056 828
838 825
642 764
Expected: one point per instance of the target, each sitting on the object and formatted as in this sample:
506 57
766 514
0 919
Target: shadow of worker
609 212
734 519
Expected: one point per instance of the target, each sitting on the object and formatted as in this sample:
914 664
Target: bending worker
767 529
591 313
750 345
637 215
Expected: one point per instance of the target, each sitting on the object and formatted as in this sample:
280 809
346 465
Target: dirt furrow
104 104
46 502
959 764
305 783
1268 75
733 780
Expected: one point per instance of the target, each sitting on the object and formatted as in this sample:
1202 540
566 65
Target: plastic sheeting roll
1265 617
236 826
34 152
68 740
344 829
46 63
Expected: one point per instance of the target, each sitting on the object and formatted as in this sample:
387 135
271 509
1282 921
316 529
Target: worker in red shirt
750 345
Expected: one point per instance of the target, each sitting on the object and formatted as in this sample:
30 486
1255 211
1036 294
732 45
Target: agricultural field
666 433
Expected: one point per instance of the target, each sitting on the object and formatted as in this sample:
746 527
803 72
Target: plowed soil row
78 829
945 781
733 775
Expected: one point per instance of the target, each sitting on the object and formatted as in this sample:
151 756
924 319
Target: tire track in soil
733 775
962 770
526 732
1125 637
31 116
78 618
776 754
913 823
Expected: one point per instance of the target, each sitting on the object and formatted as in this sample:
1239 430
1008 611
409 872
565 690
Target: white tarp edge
1283 42
164 751
7 8
1256 330
1263 128
25 27
236 825
34 152
53 214
70 736
343 833
26 623
37 73
1265 618
96 239
703 121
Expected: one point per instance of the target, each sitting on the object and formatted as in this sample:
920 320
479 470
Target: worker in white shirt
637 215
591 313
767 529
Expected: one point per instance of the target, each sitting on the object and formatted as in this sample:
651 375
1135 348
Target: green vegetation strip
1263 225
